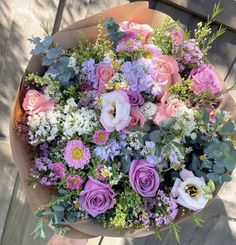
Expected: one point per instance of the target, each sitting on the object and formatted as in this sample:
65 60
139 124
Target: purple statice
108 152
159 210
44 170
89 72
130 44
187 52
140 74
44 149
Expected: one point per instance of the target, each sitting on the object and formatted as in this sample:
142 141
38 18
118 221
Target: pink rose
204 79
34 102
141 31
167 110
137 118
167 71
104 74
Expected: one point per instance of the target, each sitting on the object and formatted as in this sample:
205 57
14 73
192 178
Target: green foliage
86 49
203 31
175 228
129 203
209 189
184 92
52 85
181 90
53 58
157 234
160 38
39 230
214 155
196 219
41 46
112 28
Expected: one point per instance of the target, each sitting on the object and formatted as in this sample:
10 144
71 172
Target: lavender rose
96 198
135 98
144 178
204 79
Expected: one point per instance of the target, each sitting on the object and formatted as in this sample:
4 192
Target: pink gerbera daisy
101 137
74 181
76 154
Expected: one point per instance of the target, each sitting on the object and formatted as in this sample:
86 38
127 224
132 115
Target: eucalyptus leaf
226 177
58 208
62 192
154 136
168 123
205 116
126 162
51 56
219 170
71 216
227 129
57 217
214 176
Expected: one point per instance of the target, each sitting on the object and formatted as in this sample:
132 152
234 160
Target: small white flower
148 109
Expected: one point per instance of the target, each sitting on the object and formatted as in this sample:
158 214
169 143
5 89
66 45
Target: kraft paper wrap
22 156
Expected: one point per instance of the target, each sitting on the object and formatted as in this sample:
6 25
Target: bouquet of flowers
127 132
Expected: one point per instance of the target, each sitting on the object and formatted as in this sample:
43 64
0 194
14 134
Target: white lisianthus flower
115 111
189 192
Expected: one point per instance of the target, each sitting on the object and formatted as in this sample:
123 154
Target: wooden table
20 19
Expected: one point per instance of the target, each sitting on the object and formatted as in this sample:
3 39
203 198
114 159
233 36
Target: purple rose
135 98
96 198
204 79
144 178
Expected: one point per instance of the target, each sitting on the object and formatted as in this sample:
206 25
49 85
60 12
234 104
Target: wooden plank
26 18
7 182
60 10
223 50
74 11
203 9
222 232
97 6
20 221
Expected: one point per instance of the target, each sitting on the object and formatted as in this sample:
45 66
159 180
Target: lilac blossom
152 215
109 151
43 169
186 53
139 74
89 71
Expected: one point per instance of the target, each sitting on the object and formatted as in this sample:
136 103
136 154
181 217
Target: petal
174 190
185 174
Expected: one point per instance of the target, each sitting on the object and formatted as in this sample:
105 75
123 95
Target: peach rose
141 31
34 102
137 118
104 74
167 71
167 110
